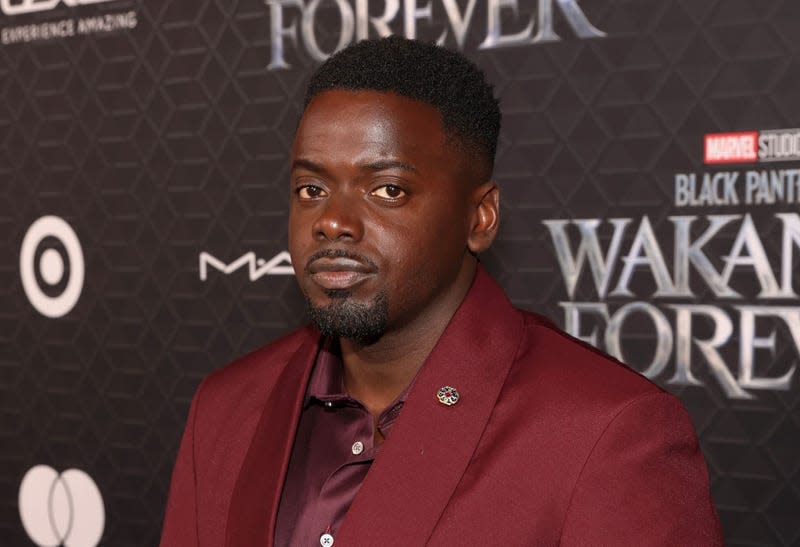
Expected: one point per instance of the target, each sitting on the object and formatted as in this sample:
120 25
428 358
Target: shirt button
326 540
357 448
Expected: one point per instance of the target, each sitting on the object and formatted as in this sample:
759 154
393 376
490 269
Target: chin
346 318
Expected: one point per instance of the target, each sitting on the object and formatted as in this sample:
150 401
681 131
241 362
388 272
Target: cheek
422 250
446 228
297 227
290 223
297 247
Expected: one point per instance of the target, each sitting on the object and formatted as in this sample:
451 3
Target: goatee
364 323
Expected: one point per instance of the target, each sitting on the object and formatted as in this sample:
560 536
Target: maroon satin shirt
331 456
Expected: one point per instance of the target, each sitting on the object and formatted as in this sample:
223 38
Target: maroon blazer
552 443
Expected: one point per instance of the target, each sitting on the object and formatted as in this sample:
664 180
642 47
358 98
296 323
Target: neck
377 373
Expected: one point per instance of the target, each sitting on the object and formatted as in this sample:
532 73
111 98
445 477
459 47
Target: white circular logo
50 267
61 509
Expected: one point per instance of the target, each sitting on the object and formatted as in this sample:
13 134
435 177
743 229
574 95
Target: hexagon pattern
171 139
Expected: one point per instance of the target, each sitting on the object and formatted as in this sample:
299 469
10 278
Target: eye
389 191
309 191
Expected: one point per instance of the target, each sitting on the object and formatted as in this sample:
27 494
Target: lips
339 272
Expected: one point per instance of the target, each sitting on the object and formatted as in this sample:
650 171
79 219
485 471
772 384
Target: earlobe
486 219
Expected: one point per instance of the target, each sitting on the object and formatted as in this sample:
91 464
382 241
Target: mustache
340 253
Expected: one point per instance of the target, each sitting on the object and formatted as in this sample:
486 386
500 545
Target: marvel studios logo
752 146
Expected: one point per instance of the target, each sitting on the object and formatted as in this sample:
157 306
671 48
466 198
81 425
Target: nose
339 219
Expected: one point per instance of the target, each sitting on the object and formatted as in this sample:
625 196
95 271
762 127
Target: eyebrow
301 163
380 165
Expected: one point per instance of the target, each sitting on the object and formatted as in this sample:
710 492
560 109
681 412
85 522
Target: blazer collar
421 462
254 503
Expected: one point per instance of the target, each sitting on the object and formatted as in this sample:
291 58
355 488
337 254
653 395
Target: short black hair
444 79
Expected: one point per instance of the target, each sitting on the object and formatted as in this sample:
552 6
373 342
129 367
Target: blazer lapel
257 494
430 446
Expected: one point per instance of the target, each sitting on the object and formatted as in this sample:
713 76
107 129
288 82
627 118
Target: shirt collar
327 380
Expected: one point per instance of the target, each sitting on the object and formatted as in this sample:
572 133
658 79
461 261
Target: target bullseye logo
51 266
61 509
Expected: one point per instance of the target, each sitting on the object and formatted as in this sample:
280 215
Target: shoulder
573 375
265 361
248 379
620 437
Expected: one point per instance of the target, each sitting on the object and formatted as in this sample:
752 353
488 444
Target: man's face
381 212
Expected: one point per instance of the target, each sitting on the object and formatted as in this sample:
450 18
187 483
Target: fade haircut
425 72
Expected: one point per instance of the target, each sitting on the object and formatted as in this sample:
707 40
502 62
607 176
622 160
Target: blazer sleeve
645 483
180 519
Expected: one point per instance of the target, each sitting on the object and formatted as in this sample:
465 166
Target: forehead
372 123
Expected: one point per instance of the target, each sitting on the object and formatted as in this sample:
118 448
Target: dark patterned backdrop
156 131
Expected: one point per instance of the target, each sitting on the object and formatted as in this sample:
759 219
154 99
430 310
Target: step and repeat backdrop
650 170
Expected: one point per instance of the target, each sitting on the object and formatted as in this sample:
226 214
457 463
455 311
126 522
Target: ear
485 218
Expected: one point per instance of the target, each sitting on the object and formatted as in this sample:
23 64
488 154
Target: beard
363 323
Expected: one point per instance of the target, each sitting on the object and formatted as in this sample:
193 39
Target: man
422 408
